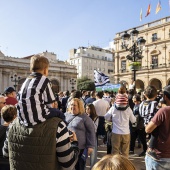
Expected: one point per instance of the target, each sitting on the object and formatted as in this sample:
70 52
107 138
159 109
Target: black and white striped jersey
34 98
147 110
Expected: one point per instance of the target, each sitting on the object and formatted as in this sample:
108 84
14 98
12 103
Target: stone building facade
88 59
60 72
155 64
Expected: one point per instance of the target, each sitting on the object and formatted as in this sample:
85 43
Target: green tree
85 83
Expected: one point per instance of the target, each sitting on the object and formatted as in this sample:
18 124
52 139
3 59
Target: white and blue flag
100 79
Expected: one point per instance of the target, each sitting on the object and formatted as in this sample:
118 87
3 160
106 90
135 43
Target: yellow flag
158 7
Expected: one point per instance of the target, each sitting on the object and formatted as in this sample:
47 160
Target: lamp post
135 50
15 79
72 82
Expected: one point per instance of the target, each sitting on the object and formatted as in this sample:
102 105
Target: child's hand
73 137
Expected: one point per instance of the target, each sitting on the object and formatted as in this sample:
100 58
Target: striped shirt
121 99
34 98
66 152
147 110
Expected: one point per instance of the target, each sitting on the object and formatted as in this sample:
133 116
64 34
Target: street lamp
15 79
72 82
136 48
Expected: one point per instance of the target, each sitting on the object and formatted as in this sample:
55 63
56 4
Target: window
123 66
110 71
154 63
154 37
155 60
105 58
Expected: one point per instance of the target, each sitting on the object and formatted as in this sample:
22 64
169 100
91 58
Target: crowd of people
42 130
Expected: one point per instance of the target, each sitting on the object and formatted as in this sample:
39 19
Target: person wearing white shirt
120 129
101 107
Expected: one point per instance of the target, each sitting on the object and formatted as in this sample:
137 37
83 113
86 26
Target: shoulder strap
71 120
96 119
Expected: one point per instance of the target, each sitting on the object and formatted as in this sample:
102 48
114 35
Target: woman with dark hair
91 112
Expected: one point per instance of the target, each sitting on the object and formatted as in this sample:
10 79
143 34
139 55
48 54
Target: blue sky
32 26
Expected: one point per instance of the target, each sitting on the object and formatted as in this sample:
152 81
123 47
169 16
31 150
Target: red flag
148 10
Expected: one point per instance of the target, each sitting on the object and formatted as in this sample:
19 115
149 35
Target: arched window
157 83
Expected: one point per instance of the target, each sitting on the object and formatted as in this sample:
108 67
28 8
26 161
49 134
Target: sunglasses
3 102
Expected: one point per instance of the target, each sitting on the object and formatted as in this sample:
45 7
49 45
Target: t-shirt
162 120
34 99
147 110
101 106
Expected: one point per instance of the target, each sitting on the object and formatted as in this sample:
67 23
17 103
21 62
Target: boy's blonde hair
9 112
80 105
114 162
38 63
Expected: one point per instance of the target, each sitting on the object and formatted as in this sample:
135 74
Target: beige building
60 72
155 65
88 59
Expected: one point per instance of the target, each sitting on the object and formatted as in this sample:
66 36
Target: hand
90 150
73 137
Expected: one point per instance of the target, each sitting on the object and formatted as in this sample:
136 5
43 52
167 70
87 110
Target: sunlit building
155 64
88 59
60 72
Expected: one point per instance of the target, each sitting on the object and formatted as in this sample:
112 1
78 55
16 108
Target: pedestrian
10 96
120 129
91 112
35 97
9 113
137 128
92 97
161 120
121 100
101 107
147 110
78 121
2 104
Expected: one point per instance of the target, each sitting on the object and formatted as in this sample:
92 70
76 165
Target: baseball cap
9 90
167 89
